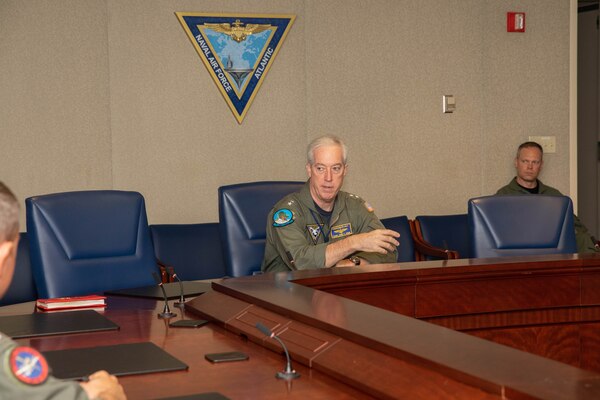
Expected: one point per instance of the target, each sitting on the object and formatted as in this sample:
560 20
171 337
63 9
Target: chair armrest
424 249
163 270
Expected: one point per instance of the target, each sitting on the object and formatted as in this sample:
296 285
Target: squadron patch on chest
315 232
282 217
342 230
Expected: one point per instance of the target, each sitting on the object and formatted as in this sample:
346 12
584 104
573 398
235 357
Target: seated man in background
24 373
323 227
528 163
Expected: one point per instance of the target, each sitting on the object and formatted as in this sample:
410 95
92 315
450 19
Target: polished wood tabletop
377 327
252 379
374 332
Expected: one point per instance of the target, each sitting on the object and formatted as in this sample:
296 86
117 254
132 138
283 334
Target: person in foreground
528 163
24 372
323 227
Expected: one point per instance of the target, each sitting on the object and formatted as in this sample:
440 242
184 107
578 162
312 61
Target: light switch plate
448 103
548 143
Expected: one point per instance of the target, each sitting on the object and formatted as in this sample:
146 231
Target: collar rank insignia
282 217
315 231
340 231
238 51
28 365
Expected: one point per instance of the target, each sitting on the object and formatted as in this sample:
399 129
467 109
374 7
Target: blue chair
406 250
521 225
22 288
193 250
243 212
89 242
447 232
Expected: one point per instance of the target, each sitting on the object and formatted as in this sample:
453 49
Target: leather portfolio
119 360
54 323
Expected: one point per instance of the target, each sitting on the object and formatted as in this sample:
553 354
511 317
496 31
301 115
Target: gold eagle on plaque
236 31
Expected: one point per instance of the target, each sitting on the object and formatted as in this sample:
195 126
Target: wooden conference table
252 379
380 331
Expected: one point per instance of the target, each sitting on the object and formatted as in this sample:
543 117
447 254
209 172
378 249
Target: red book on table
61 303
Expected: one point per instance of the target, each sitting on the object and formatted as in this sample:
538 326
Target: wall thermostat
448 103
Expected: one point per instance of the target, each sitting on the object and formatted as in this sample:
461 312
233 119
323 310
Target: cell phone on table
188 323
226 357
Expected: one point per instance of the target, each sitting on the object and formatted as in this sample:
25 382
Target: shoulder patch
282 217
28 365
359 199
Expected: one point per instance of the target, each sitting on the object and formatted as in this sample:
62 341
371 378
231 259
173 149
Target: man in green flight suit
321 226
528 163
24 372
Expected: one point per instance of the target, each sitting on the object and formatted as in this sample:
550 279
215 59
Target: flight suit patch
342 230
28 365
282 217
315 232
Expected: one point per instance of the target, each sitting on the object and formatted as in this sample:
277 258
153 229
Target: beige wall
111 94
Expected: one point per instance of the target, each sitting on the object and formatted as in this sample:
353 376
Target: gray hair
9 214
327 140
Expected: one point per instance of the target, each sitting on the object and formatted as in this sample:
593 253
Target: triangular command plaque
237 50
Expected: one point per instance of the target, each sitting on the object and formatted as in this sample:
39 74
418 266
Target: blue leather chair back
406 250
521 225
193 250
448 232
22 288
89 242
243 212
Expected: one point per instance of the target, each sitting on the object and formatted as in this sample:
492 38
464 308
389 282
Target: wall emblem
238 51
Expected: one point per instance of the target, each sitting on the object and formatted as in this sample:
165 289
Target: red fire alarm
515 22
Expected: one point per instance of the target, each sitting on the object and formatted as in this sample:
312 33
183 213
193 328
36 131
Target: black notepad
173 291
57 323
120 360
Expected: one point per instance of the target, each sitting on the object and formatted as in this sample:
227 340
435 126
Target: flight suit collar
308 201
515 186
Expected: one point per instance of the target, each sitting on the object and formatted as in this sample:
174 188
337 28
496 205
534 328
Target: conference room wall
111 94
